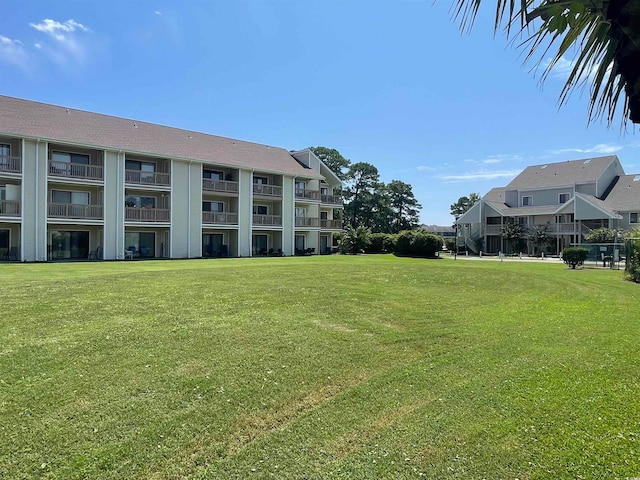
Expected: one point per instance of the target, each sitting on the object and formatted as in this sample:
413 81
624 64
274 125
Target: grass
320 367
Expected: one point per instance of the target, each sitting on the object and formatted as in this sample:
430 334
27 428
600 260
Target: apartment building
81 185
568 199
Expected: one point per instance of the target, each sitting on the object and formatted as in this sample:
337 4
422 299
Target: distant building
569 199
442 230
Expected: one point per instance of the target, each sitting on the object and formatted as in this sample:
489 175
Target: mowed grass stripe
322 367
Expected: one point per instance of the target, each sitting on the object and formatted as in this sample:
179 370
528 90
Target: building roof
561 173
625 194
440 229
24 118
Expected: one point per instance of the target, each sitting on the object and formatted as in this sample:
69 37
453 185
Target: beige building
80 185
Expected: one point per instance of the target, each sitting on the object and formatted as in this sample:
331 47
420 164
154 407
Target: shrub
381 243
601 235
632 251
355 240
417 243
574 256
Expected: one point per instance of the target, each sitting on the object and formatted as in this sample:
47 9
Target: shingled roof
561 173
625 195
24 118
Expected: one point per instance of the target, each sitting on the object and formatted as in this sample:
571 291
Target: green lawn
318 367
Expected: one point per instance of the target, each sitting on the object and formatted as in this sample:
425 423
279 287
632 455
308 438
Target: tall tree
334 160
464 204
362 181
405 208
604 36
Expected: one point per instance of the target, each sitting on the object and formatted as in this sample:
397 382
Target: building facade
566 199
81 185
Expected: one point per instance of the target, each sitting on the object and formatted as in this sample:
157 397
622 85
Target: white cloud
157 12
66 44
13 52
481 175
601 148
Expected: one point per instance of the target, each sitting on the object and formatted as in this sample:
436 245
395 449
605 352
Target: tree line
369 202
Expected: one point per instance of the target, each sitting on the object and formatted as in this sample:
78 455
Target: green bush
381 243
418 243
632 251
574 256
601 235
355 240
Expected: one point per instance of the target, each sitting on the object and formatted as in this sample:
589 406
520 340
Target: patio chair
96 254
13 254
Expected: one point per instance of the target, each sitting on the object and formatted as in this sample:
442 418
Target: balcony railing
551 228
10 164
147 178
331 199
223 218
9 208
306 222
75 170
331 224
219 185
307 194
75 210
272 190
135 214
267 220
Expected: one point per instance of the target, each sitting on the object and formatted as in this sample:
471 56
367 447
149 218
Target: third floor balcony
212 185
268 190
10 164
331 199
75 170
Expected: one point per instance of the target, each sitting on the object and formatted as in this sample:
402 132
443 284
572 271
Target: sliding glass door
69 244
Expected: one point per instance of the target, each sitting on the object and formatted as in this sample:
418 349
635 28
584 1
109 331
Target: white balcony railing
307 194
269 220
147 178
135 214
75 210
306 222
271 190
75 170
331 224
219 185
9 208
10 164
221 218
331 199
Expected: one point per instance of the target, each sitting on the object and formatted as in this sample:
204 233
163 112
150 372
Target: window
563 198
140 202
142 244
212 207
70 244
213 174
633 217
260 180
65 157
5 150
260 210
3 193
301 212
324 215
522 221
527 201
301 185
324 191
75 198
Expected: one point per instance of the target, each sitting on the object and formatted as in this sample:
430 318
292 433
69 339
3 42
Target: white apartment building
80 185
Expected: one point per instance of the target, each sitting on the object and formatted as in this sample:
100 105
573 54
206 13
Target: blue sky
392 83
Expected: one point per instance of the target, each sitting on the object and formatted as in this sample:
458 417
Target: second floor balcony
141 177
146 214
212 185
75 170
306 222
220 218
307 194
10 164
331 199
9 208
267 220
269 190
75 211
331 224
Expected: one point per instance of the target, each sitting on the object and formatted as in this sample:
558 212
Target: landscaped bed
318 367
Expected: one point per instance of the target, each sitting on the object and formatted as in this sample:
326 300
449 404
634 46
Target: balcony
135 214
307 194
219 185
75 170
331 224
270 190
140 177
220 218
10 164
306 222
75 210
267 220
9 208
331 199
